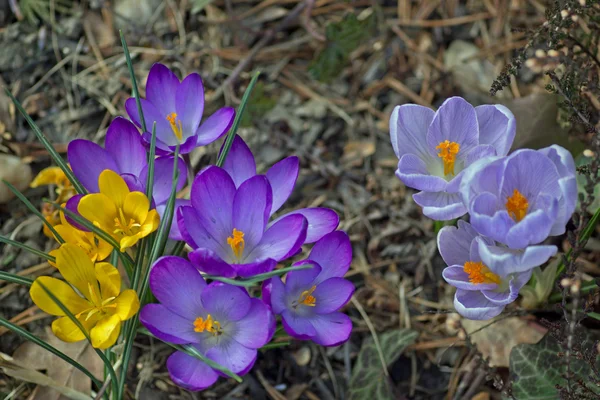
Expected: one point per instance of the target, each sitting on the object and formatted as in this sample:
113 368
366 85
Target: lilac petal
282 239
485 175
510 295
196 236
504 261
163 177
534 228
87 161
215 126
282 177
124 143
454 243
479 152
160 147
161 88
408 130
164 133
412 171
251 330
189 103
497 127
333 252
303 279
168 326
440 206
455 121
226 302
209 262
189 372
332 329
133 183
72 205
233 356
487 220
474 305
531 173
276 295
185 147
251 209
457 277
239 164
254 268
212 196
297 326
174 232
332 294
321 221
176 284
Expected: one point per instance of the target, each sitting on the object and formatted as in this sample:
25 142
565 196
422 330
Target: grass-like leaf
256 278
20 245
12 278
151 159
236 122
136 92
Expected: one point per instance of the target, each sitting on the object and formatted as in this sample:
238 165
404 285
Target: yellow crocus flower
95 248
123 214
101 309
55 176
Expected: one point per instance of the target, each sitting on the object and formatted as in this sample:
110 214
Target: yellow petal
127 304
48 176
151 223
63 292
109 279
67 331
99 209
77 269
104 249
68 233
106 332
53 253
129 241
136 206
112 185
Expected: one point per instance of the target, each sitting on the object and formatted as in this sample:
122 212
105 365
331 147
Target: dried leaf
471 73
14 171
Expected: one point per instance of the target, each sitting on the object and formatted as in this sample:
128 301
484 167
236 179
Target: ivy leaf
537 369
368 379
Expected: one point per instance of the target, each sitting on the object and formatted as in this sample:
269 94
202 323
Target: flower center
125 228
175 125
236 241
208 325
98 305
307 298
479 273
447 152
517 206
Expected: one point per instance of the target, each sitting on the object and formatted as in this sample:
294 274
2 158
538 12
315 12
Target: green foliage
343 38
582 181
538 370
368 379
258 105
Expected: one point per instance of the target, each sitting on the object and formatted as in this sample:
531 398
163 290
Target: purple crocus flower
228 228
125 154
282 176
309 299
488 276
435 148
522 199
177 109
221 321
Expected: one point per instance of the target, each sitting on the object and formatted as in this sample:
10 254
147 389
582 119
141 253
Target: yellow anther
175 125
479 273
208 325
447 152
517 206
307 298
236 241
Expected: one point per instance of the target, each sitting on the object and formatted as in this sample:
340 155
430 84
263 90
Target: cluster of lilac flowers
458 158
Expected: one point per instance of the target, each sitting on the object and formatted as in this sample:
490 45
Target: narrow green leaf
51 150
151 159
136 92
12 278
256 278
236 122
594 315
178 248
20 245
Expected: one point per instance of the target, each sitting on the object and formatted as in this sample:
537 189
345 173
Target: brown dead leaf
497 340
32 356
14 171
356 152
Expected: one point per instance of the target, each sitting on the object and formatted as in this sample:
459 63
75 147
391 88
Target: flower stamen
175 126
447 152
479 273
208 325
517 206
307 298
236 241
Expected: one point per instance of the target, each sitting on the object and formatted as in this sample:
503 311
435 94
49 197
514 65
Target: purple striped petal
124 143
534 228
455 121
474 305
239 164
189 103
189 372
510 295
87 161
497 127
454 243
215 126
440 206
457 277
282 177
409 125
412 171
507 261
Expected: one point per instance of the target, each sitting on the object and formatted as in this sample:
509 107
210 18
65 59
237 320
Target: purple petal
215 126
412 171
134 184
176 284
497 127
189 372
333 252
332 329
510 295
209 262
474 305
196 236
161 88
251 331
485 175
332 294
87 161
163 177
72 205
124 143
239 164
455 121
189 103
282 177
164 133
408 130
226 302
297 326
174 232
440 206
321 221
168 326
303 279
254 268
479 152
251 207
454 243
487 220
276 295
457 277
532 229
187 146
531 173
282 239
233 356
160 148
506 261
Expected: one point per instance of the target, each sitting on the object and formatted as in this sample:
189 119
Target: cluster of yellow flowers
92 289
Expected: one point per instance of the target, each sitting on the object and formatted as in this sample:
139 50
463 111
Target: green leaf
258 105
369 382
536 369
26 248
136 92
12 278
257 278
343 38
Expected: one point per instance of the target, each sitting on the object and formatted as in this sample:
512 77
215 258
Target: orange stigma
479 273
307 298
236 241
447 152
517 206
175 126
208 325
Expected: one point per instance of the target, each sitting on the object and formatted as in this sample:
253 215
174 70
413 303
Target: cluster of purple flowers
457 158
